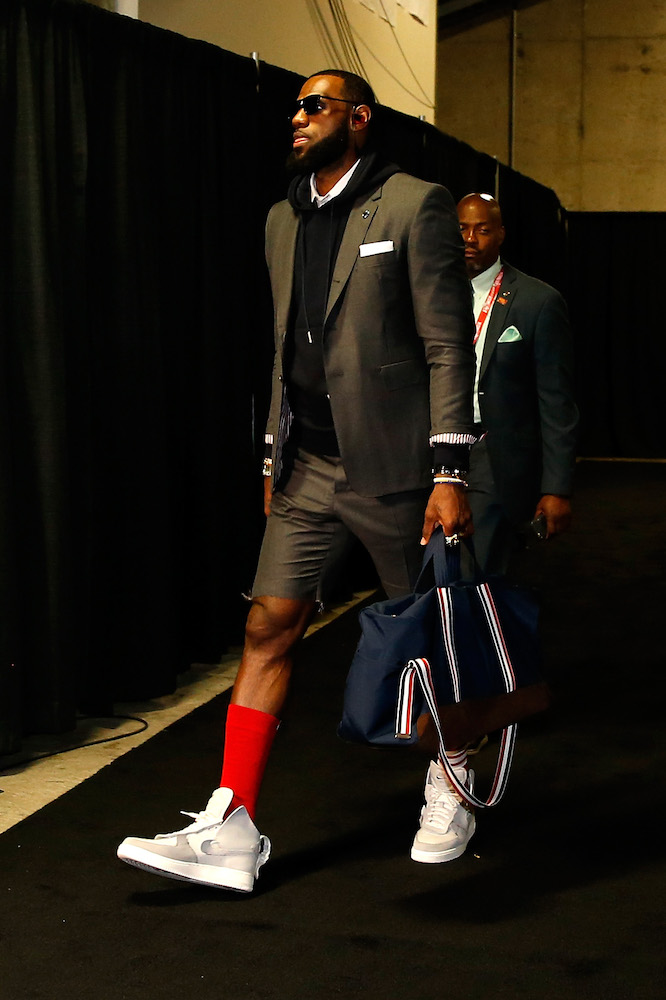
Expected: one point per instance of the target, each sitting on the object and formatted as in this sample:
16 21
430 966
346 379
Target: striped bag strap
419 668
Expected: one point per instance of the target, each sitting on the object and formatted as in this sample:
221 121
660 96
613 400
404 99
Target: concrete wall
399 59
130 8
590 82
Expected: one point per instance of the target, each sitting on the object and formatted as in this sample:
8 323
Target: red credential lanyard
488 304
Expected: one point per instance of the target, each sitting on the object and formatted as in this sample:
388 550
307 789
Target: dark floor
559 897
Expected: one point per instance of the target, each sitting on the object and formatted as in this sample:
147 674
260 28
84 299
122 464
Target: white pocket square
510 336
368 249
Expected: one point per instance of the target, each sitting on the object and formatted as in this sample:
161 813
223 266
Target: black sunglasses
312 104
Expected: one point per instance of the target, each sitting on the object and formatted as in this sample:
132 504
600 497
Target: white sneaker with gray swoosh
213 850
446 823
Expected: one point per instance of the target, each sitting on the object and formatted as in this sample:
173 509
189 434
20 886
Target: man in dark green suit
368 434
523 464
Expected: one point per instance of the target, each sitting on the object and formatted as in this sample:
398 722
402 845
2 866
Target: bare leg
275 626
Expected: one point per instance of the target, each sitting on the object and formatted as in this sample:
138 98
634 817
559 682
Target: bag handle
443 558
443 555
420 668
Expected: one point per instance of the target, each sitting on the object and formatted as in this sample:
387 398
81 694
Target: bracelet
443 470
456 480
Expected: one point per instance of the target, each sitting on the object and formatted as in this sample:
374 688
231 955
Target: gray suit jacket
398 333
526 394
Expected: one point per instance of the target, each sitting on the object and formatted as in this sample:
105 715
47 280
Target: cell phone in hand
539 527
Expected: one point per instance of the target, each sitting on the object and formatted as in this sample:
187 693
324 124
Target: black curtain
535 228
457 165
134 309
421 149
136 347
616 303
43 197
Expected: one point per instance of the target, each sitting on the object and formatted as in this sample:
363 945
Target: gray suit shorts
310 527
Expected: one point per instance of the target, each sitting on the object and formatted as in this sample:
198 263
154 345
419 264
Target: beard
319 154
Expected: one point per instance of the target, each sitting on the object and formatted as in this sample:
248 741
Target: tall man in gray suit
369 428
522 467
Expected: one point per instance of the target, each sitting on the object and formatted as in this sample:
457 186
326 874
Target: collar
322 199
482 283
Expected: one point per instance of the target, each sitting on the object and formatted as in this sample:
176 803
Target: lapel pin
366 213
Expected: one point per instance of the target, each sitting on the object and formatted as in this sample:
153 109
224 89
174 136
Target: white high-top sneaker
226 853
446 823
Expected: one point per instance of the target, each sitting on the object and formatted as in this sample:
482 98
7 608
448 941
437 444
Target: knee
276 623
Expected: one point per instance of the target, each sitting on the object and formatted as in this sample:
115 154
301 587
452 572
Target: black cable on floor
143 725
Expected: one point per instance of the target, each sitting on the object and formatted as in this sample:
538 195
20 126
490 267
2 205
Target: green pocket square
510 336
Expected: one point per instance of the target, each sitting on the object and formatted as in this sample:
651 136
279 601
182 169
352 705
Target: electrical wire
328 41
338 40
388 72
404 56
350 30
347 51
339 27
345 34
143 725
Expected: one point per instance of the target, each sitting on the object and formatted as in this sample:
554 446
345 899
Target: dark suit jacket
526 393
398 333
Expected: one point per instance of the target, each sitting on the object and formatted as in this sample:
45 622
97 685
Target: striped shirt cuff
452 438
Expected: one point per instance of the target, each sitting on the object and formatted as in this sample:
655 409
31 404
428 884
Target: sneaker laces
201 821
440 808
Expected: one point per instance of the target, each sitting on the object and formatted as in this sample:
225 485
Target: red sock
248 741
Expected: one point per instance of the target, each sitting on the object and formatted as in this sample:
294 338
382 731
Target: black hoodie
319 237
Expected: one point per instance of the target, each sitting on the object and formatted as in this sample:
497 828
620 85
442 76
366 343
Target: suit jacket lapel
357 226
498 320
